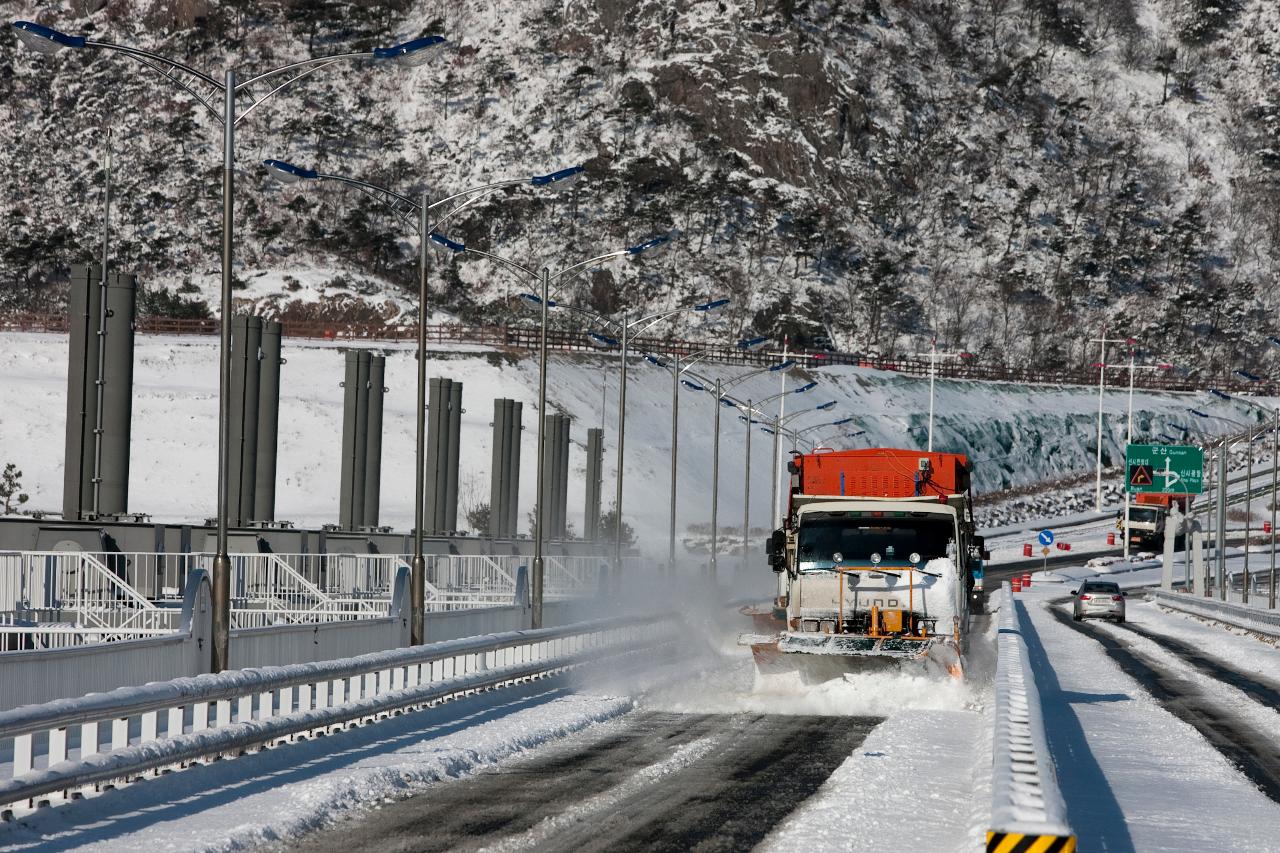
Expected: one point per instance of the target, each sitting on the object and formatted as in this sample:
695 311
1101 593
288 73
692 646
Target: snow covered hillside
1004 175
1014 434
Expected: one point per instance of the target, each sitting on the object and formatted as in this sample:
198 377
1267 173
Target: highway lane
648 781
1256 753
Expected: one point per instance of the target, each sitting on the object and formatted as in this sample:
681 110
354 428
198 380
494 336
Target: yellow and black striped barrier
1018 842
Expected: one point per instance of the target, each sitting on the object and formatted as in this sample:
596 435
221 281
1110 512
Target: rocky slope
1005 175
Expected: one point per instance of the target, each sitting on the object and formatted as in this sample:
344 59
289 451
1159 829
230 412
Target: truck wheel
1119 620
1076 617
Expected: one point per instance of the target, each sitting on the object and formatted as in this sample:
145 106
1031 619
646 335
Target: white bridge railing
52 599
71 746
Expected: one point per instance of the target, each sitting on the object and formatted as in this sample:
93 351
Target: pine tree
11 489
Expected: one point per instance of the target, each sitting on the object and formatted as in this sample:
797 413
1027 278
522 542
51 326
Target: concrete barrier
1027 810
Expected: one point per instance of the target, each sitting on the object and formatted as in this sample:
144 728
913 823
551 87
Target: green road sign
1171 468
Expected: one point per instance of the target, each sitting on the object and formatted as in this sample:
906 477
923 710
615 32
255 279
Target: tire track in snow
649 781
1252 686
1255 753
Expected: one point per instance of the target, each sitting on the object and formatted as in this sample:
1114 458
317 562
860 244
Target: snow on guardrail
1027 810
1239 615
59 746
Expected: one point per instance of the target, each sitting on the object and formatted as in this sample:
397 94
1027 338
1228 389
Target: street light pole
675 439
622 427
1275 451
540 511
1102 385
746 491
934 355
221 588
418 569
715 477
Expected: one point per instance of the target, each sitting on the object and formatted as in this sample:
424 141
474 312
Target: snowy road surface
689 753
1155 747
649 781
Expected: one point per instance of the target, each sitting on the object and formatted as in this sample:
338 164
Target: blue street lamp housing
1215 392
782 366
1252 377
649 245
602 341
451 245
808 386
822 407
44 39
753 344
713 305
287 173
557 180
1199 414
413 52
692 386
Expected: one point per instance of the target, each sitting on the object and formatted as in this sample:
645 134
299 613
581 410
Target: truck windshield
856 538
1143 515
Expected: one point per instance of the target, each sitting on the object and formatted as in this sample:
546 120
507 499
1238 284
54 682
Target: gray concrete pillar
546 489
354 435
591 509
498 470
242 510
117 395
562 469
84 307
439 392
514 439
373 442
264 489
452 453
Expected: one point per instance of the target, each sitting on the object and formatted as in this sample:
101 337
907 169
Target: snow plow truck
876 563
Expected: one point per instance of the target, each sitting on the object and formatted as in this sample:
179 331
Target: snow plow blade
825 657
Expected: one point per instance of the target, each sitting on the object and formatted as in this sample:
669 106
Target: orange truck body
1162 499
880 473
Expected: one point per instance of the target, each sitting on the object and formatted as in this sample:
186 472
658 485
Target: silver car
1098 599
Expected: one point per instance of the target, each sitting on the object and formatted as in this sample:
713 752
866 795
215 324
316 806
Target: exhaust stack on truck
876 563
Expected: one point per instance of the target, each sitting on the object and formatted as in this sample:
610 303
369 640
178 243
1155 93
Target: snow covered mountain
1005 175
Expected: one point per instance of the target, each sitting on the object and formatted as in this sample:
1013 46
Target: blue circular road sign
1046 537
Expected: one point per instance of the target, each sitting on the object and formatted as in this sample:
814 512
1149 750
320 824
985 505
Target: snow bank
284 793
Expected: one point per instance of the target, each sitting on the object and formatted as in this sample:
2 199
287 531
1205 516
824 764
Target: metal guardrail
60 746
562 340
1027 809
51 599
1241 616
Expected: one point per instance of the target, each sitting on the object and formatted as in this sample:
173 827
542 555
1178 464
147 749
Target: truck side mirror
776 550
